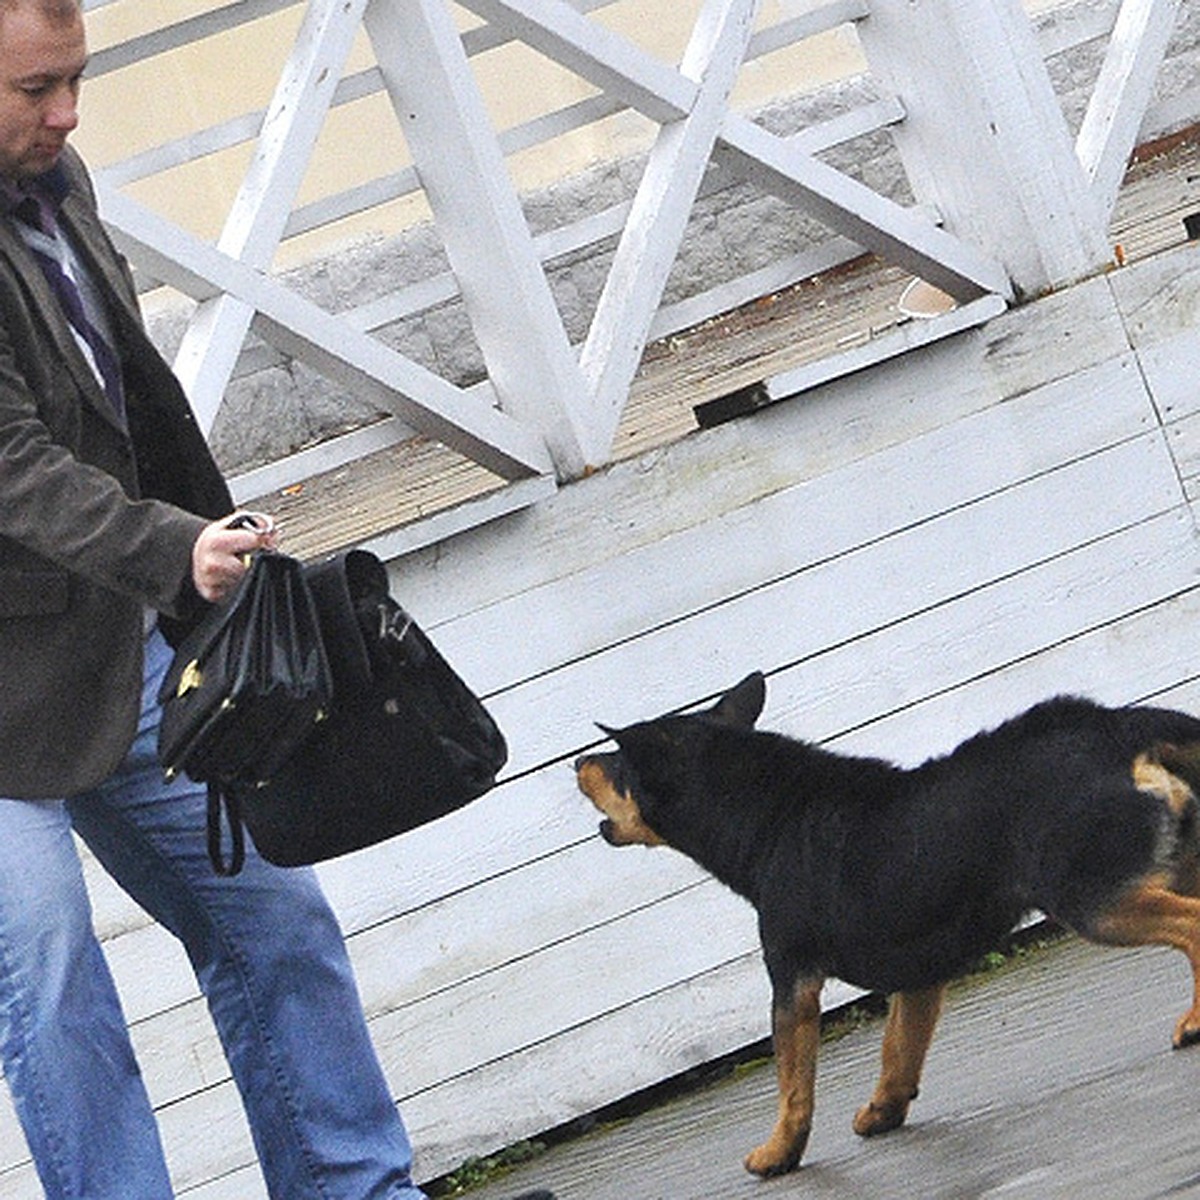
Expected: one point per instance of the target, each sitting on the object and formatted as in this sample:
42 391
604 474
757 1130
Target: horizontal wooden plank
1135 659
845 421
473 1030
873 350
795 528
455 939
1085 589
842 600
660 1035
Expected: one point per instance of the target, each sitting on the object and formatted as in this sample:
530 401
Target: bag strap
218 800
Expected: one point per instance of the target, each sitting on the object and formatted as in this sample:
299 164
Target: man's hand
217 556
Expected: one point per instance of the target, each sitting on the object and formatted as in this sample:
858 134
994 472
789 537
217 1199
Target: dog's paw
1187 1031
873 1119
776 1156
763 1163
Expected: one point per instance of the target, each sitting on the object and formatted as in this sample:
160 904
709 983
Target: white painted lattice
1008 203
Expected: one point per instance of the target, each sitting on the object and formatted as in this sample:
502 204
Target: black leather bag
405 741
247 686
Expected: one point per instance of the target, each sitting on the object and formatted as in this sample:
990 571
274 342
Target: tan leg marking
1151 915
912 1018
796 1029
1154 772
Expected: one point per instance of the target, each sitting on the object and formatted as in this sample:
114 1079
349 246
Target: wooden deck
816 318
1050 1079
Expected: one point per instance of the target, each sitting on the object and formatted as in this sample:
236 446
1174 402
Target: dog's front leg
796 1030
912 1018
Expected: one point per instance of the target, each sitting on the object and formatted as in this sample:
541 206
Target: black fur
894 879
897 879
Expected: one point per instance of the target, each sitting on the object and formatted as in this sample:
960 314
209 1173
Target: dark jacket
96 523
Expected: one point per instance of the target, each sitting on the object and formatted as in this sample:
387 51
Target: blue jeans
270 960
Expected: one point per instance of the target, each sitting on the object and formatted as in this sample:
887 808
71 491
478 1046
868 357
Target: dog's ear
742 705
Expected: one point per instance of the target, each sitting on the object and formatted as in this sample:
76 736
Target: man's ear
742 705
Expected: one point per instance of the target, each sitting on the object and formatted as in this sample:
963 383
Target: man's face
41 62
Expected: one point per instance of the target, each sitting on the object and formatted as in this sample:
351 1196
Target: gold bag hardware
191 678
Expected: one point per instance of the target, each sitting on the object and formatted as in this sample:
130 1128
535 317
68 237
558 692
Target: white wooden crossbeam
1122 92
852 209
659 215
236 131
818 19
364 365
180 33
255 223
605 59
513 314
663 94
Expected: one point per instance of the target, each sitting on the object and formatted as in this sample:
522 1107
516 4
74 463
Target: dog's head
634 786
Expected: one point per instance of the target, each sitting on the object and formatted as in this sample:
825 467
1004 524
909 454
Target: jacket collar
47 190
54 189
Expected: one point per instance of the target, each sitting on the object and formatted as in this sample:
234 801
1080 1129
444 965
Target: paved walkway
1052 1078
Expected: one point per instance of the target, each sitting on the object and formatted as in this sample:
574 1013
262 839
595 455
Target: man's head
43 51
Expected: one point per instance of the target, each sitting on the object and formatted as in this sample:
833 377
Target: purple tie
39 216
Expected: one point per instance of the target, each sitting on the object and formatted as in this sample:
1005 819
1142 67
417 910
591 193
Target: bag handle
218 801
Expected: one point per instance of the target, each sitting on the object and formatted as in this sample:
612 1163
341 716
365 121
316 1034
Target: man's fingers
219 554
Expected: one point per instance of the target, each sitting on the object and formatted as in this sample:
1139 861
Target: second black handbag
405 741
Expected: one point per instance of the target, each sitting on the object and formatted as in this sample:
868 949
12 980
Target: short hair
56 10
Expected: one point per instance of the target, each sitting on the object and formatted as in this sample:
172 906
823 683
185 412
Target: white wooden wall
909 553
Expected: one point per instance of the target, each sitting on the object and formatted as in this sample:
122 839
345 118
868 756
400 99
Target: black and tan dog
897 879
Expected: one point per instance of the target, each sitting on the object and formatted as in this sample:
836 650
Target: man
114 531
